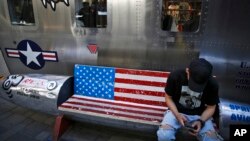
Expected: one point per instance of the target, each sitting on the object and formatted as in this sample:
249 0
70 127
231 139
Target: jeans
169 133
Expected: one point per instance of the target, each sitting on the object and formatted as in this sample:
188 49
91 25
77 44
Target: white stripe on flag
139 87
141 77
142 97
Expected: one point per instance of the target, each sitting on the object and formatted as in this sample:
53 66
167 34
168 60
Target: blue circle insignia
31 54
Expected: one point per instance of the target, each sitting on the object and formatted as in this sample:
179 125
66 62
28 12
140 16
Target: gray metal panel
4 18
133 39
136 40
4 71
226 44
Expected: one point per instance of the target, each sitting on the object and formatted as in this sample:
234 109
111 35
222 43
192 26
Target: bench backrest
128 85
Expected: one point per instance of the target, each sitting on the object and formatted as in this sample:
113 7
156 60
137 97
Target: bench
123 94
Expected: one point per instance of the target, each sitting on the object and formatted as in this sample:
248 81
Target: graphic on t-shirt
190 99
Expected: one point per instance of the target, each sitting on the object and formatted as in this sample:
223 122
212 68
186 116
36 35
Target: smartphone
189 127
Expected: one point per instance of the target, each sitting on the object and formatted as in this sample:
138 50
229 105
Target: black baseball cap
200 71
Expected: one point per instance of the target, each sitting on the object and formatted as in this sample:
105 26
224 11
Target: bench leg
61 125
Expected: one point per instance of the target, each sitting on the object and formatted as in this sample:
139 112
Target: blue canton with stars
94 81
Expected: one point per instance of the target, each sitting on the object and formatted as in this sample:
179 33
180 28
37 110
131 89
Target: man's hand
197 127
181 118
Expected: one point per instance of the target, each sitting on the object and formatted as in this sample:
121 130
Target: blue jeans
169 133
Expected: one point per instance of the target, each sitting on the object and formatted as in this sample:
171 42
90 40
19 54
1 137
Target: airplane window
91 13
180 15
21 12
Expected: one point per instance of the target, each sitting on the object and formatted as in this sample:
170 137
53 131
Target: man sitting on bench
191 96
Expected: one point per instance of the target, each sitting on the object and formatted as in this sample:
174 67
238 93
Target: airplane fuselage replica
107 61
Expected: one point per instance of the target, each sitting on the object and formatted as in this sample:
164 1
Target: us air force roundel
31 55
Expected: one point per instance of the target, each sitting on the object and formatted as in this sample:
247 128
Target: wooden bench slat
119 103
116 110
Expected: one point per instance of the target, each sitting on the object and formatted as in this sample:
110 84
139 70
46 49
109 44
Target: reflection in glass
181 15
21 12
91 13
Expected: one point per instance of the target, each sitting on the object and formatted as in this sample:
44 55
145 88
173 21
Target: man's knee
211 136
166 133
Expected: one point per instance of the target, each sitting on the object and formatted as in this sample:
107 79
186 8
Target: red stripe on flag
140 101
110 113
118 109
118 104
140 82
142 92
142 72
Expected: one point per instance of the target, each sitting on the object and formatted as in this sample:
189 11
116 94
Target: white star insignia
31 55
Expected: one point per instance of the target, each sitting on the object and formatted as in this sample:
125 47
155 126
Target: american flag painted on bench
125 93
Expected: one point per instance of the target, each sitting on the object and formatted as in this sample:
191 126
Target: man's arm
207 114
171 105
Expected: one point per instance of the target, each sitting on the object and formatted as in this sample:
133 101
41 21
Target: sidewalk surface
21 124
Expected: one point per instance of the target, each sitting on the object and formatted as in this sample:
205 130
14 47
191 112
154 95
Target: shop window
181 15
21 12
91 13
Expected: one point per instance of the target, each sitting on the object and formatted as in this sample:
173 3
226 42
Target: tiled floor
20 124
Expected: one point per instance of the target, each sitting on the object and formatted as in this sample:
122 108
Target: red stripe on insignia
142 92
140 82
49 56
14 53
142 72
140 101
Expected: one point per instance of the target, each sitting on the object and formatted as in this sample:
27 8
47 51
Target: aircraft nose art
53 3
